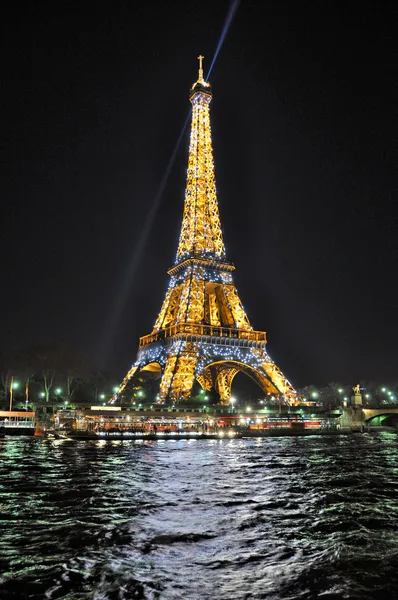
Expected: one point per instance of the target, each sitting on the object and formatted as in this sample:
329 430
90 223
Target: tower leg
179 373
224 380
206 380
125 381
275 375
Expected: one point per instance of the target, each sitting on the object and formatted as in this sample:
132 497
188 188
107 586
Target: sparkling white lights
202 331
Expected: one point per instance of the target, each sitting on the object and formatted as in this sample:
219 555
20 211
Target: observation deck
199 260
194 332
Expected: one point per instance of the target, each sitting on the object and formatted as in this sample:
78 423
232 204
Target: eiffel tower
202 332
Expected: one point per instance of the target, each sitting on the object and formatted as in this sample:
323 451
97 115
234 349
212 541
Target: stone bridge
357 416
376 416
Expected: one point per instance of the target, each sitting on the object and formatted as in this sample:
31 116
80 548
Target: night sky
94 97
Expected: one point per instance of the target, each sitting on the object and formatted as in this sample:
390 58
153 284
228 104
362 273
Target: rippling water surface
278 518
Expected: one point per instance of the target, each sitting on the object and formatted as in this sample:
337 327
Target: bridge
378 416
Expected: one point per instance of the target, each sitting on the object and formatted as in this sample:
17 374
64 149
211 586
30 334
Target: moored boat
17 422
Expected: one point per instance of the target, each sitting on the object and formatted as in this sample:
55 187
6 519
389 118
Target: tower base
212 361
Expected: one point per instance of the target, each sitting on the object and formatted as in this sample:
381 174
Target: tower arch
223 372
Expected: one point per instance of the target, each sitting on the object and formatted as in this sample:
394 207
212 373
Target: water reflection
308 517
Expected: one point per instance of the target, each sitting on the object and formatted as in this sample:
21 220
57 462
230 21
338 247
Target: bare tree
5 377
9 365
48 376
42 364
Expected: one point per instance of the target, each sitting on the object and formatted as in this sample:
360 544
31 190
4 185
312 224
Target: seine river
275 518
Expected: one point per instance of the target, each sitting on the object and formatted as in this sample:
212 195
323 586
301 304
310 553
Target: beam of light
123 288
231 13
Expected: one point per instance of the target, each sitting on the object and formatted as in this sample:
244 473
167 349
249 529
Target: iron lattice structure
202 331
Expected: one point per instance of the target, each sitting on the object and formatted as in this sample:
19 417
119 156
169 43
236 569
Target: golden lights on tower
202 331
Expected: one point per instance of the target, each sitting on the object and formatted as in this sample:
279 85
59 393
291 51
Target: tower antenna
200 78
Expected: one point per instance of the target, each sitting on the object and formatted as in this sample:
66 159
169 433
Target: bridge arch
379 417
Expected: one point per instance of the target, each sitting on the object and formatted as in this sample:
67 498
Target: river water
276 518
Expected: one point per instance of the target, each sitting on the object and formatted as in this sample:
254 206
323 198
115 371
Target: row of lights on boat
220 434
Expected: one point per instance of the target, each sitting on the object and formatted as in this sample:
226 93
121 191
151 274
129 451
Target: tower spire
201 233
200 78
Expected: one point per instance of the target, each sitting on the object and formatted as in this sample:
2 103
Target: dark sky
94 96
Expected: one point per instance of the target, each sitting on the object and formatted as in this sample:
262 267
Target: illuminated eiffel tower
202 332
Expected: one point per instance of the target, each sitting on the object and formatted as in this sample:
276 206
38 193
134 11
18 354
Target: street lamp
57 393
13 386
232 402
116 389
27 394
102 396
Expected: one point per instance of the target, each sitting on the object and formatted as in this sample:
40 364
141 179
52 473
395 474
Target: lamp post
57 393
232 402
13 386
27 394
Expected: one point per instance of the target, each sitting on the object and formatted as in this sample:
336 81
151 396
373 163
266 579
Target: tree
46 362
9 367
41 363
97 381
5 375
75 370
309 392
54 363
